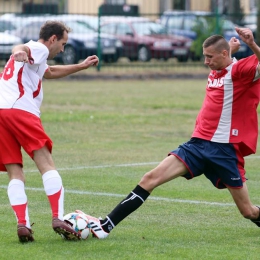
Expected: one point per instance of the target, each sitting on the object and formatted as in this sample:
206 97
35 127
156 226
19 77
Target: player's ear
225 53
53 38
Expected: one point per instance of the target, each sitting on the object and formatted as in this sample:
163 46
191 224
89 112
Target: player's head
54 34
216 51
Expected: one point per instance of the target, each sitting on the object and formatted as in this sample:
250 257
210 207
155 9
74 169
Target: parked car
14 21
6 26
144 39
90 21
184 22
82 42
7 42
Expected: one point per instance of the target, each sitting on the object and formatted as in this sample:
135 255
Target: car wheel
194 57
144 54
133 58
69 55
115 58
183 58
111 58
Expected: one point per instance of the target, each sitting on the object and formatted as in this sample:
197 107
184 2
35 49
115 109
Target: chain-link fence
126 36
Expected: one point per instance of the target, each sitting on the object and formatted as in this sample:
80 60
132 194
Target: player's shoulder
35 44
249 60
38 51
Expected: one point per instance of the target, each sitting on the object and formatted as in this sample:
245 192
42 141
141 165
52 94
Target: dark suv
184 22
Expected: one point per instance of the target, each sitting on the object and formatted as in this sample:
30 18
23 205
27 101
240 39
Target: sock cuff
108 218
141 192
16 182
50 174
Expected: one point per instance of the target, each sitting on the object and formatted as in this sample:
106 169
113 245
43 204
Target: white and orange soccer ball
79 223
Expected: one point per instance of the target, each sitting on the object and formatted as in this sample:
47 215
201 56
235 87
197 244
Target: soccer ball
79 223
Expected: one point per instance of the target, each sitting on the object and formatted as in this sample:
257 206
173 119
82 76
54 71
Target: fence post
217 21
99 41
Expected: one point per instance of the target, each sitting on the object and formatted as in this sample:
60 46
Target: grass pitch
106 136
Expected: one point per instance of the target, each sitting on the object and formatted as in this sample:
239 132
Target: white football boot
95 226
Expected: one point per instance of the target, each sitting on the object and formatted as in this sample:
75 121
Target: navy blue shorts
221 163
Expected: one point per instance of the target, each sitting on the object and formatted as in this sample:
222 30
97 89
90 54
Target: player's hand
21 56
234 44
246 35
91 61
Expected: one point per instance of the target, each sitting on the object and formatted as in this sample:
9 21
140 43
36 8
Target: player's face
57 46
214 59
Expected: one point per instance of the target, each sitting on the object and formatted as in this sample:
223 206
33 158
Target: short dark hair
218 41
50 28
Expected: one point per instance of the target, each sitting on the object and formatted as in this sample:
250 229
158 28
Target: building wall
16 6
84 7
245 5
91 6
202 5
146 6
11 6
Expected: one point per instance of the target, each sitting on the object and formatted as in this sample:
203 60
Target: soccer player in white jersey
20 125
226 130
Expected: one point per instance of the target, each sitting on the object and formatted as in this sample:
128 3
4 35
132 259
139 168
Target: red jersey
229 110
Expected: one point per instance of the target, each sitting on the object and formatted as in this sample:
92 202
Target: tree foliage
203 30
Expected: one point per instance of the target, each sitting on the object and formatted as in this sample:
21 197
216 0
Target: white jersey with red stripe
21 83
229 111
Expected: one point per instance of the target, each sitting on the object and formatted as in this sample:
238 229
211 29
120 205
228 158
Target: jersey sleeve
38 52
245 70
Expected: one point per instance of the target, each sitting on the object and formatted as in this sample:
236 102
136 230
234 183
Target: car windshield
6 26
250 19
88 21
79 27
186 22
228 25
148 28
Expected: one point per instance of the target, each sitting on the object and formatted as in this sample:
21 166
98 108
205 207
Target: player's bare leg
18 200
245 206
54 190
170 168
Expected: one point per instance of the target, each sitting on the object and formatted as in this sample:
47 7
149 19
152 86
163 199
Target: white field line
120 195
96 167
123 196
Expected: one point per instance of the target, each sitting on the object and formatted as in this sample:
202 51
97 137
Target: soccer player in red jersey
226 131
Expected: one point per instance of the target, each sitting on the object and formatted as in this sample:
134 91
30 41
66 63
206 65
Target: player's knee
148 182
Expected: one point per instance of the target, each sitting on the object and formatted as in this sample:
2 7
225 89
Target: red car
144 39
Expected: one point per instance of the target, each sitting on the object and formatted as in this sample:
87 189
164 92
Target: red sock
18 200
20 212
54 190
54 202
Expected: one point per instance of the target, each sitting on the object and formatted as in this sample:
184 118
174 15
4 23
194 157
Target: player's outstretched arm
60 71
247 37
